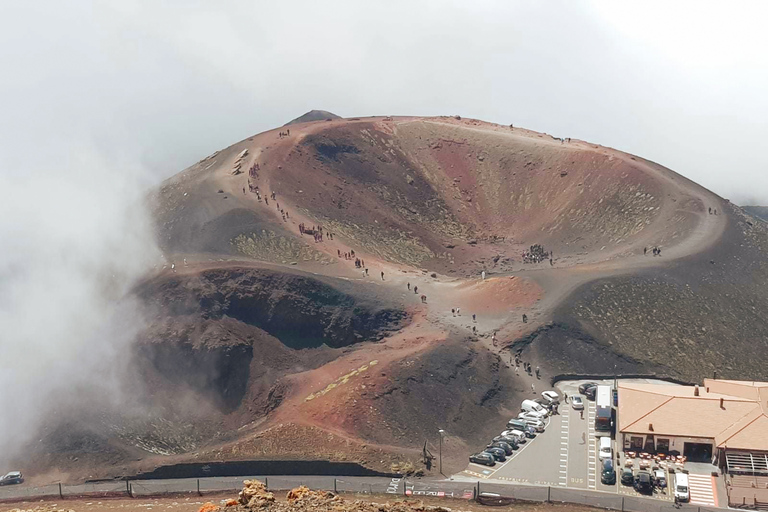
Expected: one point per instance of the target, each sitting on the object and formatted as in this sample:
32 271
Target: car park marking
515 480
472 473
701 489
526 445
564 436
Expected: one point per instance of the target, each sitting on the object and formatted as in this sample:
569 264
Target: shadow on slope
698 316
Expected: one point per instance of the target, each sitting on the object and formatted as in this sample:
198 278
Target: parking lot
566 454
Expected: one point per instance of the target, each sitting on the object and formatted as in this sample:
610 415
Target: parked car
530 416
14 477
606 452
590 392
536 425
529 432
577 403
517 434
583 387
498 453
518 423
643 483
627 477
660 479
608 474
511 441
508 450
551 396
508 433
486 459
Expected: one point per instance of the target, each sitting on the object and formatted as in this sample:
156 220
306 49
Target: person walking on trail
423 299
409 286
533 388
453 312
517 371
525 318
582 413
645 251
415 289
565 397
483 275
382 275
474 317
458 311
538 373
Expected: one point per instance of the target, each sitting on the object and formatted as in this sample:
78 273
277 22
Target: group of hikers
527 368
316 231
254 189
537 254
415 290
710 210
284 134
656 251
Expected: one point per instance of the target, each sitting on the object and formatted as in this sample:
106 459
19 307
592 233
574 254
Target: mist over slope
73 250
761 212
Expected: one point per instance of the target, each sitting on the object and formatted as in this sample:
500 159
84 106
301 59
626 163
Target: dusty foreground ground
194 504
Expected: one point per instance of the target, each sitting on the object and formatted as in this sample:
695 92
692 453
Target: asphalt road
566 454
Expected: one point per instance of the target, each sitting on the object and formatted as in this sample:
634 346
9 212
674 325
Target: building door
698 452
649 445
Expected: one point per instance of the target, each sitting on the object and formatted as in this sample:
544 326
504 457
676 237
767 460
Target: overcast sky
163 84
101 100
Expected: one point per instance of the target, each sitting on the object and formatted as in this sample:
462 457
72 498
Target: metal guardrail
356 485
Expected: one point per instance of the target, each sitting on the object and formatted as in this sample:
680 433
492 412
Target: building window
662 445
636 443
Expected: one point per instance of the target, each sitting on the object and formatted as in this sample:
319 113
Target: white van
605 448
681 487
531 406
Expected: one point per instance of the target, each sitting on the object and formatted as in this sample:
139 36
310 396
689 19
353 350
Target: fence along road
359 485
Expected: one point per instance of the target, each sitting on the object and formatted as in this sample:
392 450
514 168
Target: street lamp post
441 432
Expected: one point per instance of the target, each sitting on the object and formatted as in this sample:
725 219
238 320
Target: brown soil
277 340
194 504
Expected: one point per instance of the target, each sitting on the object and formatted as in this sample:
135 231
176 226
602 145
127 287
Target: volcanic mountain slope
323 296
761 212
314 115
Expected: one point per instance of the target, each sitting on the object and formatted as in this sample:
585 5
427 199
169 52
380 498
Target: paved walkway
702 489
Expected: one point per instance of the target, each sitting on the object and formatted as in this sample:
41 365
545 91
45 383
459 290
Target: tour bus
604 413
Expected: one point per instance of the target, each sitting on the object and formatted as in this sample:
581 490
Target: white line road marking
512 457
564 431
700 487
